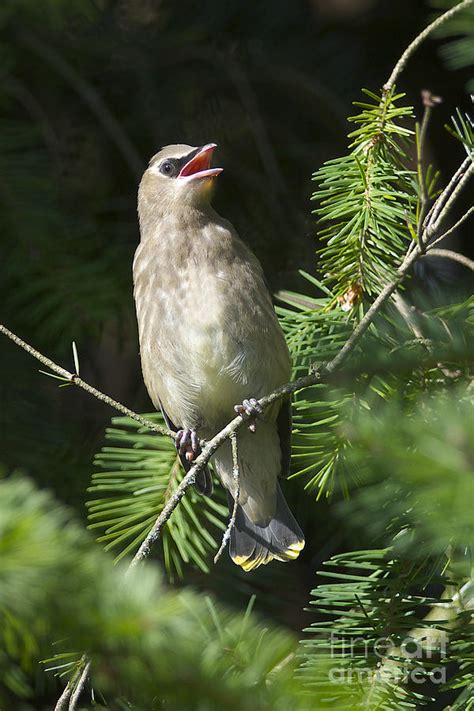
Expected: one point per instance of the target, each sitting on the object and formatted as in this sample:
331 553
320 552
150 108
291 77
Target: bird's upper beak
199 165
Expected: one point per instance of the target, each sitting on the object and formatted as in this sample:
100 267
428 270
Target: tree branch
74 379
236 495
429 102
72 692
455 256
79 688
413 46
453 228
63 701
438 217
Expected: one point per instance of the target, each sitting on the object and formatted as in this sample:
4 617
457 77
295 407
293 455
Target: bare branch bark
79 688
236 495
435 223
438 205
74 379
457 224
63 701
430 101
455 256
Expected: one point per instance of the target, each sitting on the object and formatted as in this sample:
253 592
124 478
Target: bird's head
179 177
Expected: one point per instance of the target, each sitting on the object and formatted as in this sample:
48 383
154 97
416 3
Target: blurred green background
88 92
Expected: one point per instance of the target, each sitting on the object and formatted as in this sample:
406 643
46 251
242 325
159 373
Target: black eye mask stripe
181 162
177 163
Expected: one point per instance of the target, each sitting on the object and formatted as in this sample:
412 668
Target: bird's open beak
199 165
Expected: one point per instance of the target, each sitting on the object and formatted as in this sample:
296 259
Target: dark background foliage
89 91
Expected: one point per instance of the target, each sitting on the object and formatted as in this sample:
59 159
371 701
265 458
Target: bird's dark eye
167 168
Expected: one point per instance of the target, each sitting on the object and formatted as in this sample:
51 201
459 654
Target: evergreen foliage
388 438
138 478
397 614
150 647
367 197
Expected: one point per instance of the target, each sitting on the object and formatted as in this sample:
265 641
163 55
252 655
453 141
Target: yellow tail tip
249 563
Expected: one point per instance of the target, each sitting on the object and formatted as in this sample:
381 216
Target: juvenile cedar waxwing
209 339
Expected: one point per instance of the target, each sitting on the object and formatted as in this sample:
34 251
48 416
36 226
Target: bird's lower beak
199 165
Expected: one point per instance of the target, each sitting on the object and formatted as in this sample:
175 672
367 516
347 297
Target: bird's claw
187 444
250 410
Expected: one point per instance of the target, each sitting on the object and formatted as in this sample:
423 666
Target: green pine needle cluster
151 647
370 202
395 625
403 355
371 636
136 479
366 199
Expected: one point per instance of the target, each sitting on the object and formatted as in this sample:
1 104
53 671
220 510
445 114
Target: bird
211 345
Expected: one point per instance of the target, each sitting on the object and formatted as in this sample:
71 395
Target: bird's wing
284 433
203 481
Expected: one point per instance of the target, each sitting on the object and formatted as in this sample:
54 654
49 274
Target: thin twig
413 46
429 102
435 224
63 701
74 379
236 495
407 313
79 688
439 204
455 256
453 228
68 697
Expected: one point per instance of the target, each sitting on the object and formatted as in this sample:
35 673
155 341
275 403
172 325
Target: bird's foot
250 410
187 444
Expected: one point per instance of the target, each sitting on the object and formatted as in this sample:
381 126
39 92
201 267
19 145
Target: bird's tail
252 545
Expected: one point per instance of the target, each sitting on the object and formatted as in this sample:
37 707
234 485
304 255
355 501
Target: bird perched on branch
209 339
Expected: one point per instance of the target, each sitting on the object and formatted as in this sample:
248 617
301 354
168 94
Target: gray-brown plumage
209 339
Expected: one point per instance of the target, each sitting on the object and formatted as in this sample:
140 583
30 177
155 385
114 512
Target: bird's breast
208 334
